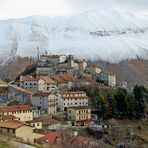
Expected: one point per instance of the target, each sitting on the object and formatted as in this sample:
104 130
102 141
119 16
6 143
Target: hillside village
42 108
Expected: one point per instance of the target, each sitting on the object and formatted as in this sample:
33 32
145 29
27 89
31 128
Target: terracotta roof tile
15 108
65 78
8 117
48 80
49 138
11 124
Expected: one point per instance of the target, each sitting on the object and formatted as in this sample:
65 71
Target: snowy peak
107 35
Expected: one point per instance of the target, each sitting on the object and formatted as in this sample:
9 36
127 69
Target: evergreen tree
121 99
140 94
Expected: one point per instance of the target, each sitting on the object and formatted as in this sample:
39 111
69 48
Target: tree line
121 103
118 103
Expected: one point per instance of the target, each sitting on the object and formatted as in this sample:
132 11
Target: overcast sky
22 8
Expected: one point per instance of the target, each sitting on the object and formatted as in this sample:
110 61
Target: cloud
22 8
83 5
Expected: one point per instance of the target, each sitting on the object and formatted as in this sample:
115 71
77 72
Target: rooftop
44 94
65 78
87 79
108 72
49 138
23 90
32 79
47 121
48 80
15 108
79 107
73 92
58 137
11 124
8 117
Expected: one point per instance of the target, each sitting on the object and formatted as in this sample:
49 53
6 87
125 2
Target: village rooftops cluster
52 91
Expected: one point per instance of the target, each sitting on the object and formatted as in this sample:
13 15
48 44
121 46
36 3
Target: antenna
38 54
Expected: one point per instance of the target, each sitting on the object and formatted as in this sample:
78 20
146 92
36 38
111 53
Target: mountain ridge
111 36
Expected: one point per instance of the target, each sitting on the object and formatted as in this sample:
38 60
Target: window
7 130
38 124
13 131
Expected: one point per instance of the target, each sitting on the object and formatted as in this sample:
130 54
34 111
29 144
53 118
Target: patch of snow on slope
111 36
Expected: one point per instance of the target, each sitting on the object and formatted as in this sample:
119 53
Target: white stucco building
33 83
68 99
45 102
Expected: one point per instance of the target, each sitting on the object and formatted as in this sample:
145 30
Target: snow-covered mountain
107 35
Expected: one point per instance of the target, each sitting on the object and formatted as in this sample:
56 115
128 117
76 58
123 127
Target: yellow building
49 84
93 69
35 124
80 115
22 112
19 130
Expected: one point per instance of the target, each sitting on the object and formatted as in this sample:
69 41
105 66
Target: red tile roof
49 138
48 80
11 124
59 79
32 79
15 108
8 117
87 79
65 78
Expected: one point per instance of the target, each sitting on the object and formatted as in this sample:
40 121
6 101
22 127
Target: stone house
33 83
107 79
45 102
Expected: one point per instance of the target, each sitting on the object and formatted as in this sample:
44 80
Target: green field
5 145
